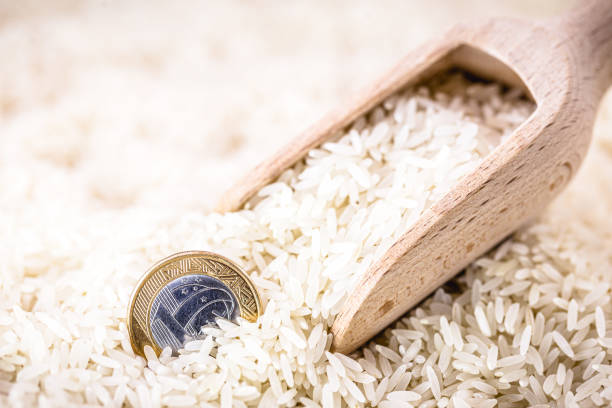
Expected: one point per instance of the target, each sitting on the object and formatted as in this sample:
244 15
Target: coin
183 293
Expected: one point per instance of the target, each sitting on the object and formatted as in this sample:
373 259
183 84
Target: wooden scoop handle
589 27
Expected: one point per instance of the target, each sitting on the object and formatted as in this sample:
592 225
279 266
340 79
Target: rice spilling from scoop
526 325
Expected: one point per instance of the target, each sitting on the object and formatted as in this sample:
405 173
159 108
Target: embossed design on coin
187 304
183 293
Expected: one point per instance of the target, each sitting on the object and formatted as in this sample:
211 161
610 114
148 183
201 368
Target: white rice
524 326
600 322
525 340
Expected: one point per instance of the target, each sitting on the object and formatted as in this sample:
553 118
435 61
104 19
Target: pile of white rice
528 325
519 326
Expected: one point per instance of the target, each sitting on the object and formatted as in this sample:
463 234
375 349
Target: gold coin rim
173 258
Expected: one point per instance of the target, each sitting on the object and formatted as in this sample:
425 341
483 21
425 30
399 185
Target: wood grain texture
564 64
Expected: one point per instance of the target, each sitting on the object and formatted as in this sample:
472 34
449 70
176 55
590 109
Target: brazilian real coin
185 292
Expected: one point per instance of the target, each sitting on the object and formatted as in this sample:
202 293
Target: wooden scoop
564 65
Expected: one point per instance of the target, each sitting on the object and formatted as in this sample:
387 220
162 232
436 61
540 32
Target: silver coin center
187 304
